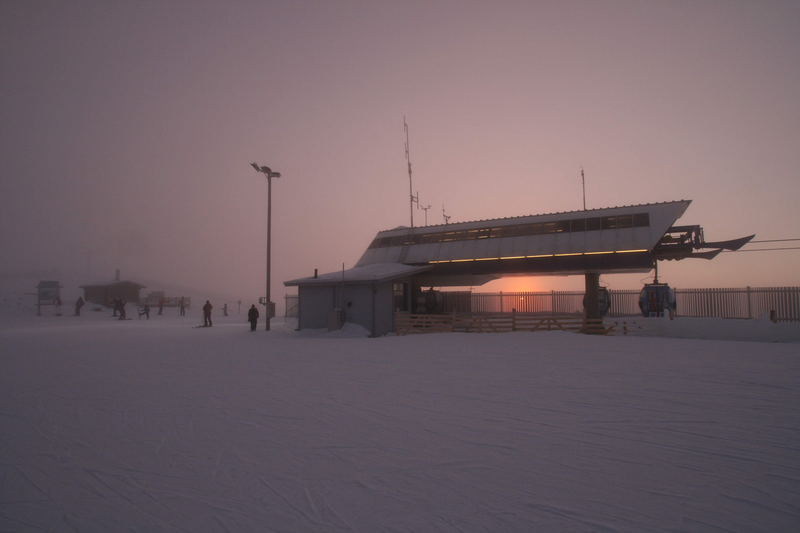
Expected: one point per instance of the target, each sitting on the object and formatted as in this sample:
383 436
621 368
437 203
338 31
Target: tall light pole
269 174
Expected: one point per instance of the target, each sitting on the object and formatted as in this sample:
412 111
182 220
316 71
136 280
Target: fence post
749 305
501 301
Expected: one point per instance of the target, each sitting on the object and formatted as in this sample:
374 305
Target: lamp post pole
269 174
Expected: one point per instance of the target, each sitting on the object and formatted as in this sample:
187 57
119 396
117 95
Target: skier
78 304
160 306
225 310
207 314
122 314
183 307
252 316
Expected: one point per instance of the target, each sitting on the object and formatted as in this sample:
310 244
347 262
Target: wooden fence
407 323
154 300
746 302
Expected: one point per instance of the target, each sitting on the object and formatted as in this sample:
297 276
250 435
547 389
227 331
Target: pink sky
128 129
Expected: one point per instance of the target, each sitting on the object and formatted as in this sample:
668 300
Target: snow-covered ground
110 426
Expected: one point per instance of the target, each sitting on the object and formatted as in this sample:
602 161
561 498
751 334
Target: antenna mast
445 216
583 183
411 196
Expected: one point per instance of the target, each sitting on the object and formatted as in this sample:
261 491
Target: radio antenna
583 183
411 196
445 216
424 208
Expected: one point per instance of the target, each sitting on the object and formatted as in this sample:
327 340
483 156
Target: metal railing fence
747 302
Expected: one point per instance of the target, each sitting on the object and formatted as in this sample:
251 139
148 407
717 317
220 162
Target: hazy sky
127 128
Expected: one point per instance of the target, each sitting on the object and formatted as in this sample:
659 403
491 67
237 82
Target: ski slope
109 426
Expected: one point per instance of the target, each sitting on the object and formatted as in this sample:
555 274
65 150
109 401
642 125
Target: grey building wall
315 304
358 305
367 304
384 309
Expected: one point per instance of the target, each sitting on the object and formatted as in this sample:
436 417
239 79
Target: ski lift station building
399 262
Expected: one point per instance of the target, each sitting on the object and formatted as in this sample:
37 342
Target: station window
620 221
578 224
517 230
592 224
400 293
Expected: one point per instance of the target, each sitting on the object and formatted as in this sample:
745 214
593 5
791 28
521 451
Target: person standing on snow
78 305
207 314
252 316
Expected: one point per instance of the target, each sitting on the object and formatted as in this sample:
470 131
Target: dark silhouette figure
225 310
207 314
122 314
183 307
78 304
252 316
145 311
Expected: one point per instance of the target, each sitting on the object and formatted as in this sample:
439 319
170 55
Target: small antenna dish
425 208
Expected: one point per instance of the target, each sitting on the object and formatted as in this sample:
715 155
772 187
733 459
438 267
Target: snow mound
348 331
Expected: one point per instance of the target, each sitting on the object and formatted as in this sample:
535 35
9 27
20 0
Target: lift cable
763 249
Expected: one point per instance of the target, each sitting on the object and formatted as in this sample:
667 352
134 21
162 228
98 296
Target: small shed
106 293
366 295
48 293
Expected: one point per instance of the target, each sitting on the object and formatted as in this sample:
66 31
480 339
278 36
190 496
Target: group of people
252 315
118 307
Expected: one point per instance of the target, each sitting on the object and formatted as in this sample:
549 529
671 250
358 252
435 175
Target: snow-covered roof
524 218
376 272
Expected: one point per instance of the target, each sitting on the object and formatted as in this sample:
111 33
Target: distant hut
106 293
47 293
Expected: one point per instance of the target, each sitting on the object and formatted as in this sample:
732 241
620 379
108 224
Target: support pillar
591 300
